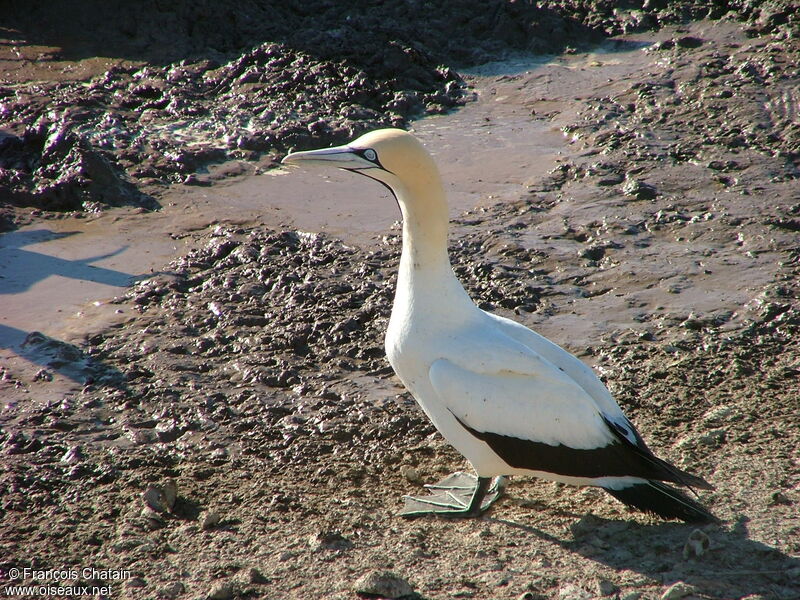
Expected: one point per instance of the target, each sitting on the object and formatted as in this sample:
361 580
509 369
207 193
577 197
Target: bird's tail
663 500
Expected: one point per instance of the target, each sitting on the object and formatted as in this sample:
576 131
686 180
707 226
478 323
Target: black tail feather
663 500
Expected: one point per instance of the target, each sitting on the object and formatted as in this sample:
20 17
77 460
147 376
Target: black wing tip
664 501
692 481
669 472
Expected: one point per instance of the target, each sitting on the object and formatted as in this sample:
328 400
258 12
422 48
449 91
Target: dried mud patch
253 379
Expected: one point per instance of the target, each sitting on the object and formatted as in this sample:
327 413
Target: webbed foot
460 495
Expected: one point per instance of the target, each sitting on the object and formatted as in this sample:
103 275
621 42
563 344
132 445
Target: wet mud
237 432
184 87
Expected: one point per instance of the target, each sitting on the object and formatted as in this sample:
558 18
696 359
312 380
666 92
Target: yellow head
391 156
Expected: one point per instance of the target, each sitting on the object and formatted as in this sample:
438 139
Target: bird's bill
343 157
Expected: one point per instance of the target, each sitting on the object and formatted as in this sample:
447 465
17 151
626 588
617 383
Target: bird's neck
424 262
425 224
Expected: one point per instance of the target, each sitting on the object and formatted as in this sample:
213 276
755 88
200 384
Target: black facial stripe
384 184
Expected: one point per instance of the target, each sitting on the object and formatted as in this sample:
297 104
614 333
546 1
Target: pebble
221 591
160 499
570 591
384 584
411 474
638 190
606 587
171 590
677 591
72 456
209 520
155 519
256 576
777 497
328 540
696 545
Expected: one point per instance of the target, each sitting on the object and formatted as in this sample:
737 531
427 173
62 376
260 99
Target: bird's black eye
369 154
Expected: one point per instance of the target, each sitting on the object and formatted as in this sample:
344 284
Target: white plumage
511 401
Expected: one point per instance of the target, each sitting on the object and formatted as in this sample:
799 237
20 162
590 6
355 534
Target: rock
255 576
696 545
677 591
328 540
717 415
689 41
171 590
631 596
154 519
209 520
570 591
221 591
170 489
714 438
777 497
411 474
160 499
638 190
384 584
136 582
605 587
73 455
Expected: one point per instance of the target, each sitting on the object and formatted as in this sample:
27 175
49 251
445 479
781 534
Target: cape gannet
511 401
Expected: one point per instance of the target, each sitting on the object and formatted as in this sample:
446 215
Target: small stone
715 437
718 415
221 591
170 489
328 540
136 582
157 499
689 41
677 591
384 584
171 590
154 519
43 375
638 190
570 591
778 497
606 588
411 474
209 520
73 455
256 576
696 545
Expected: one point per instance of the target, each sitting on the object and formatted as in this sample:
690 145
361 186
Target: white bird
511 401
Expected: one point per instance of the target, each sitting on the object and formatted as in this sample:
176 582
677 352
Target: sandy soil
229 428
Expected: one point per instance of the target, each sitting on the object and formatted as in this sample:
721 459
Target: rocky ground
242 436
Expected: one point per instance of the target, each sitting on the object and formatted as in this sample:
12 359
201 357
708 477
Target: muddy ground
238 433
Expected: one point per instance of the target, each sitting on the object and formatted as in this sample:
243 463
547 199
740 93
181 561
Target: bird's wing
534 404
537 418
576 369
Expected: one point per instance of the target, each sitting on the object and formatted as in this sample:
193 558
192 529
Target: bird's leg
458 495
